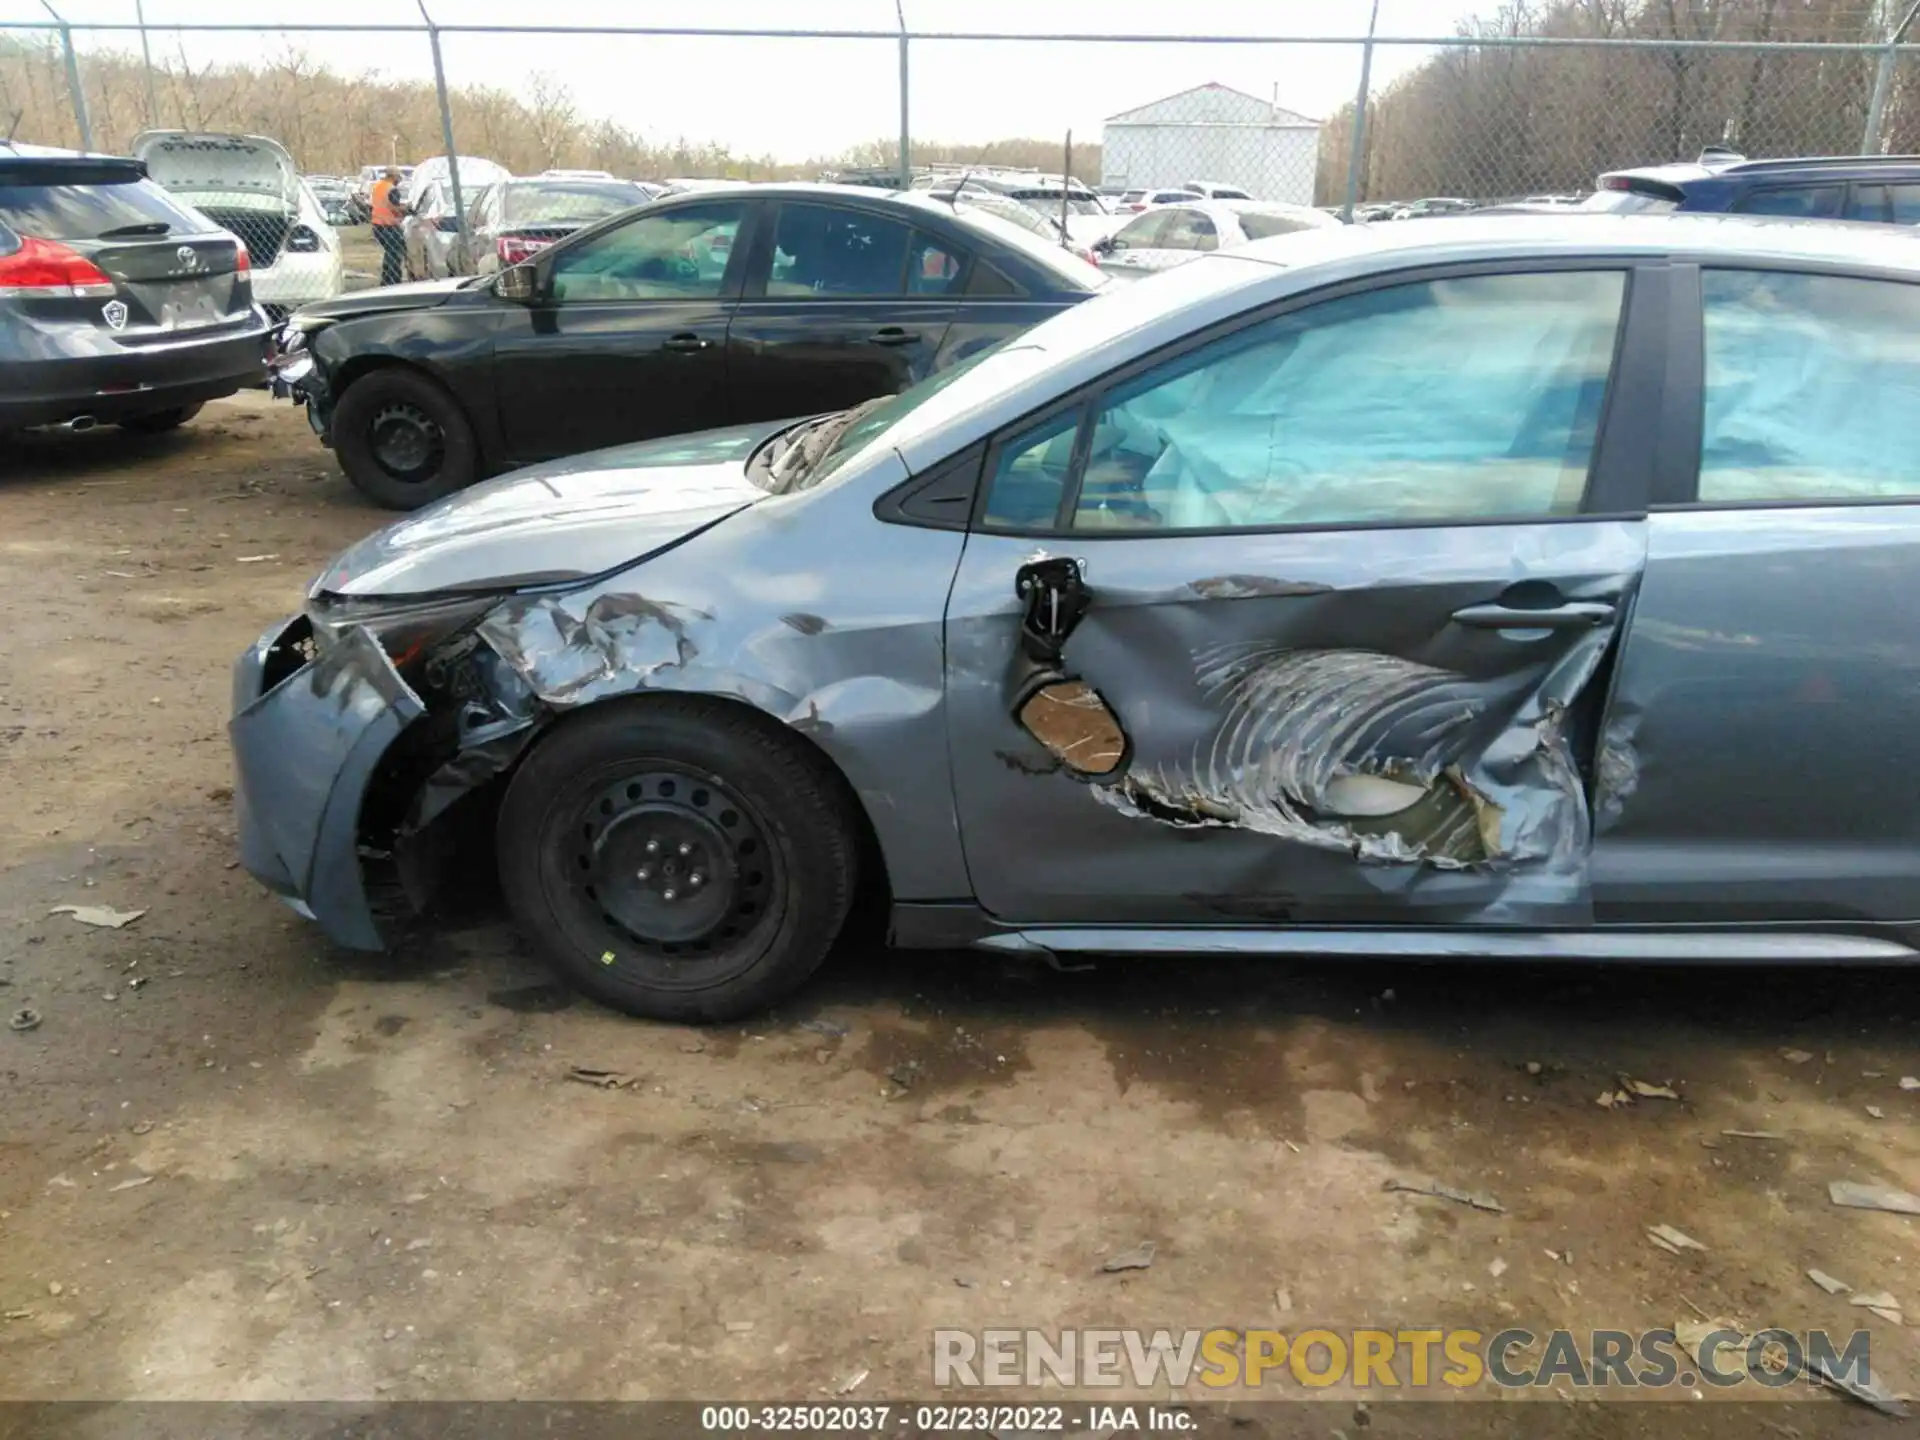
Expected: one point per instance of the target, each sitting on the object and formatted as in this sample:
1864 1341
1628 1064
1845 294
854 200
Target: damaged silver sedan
1516 588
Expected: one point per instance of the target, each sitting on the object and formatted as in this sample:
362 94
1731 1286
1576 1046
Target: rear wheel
156 422
678 858
403 440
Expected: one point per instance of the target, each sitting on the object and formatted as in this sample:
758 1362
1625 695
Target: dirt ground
235 1163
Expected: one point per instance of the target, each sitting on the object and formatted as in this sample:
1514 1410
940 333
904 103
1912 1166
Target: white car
1213 190
249 186
1170 235
432 225
1132 202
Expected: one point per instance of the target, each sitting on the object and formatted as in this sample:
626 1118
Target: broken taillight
42 267
513 249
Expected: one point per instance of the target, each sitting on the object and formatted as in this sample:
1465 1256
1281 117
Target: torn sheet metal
581 646
1314 738
843 649
1300 734
1382 757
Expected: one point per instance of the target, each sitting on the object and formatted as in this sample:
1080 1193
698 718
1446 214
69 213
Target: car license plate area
194 305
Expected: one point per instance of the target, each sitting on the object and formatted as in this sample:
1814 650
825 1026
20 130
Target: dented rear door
1310 621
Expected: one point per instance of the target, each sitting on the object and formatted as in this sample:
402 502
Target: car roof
1686 172
570 181
1704 236
41 157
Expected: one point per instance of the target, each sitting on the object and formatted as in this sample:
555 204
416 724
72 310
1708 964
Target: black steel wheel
403 440
406 442
678 857
680 863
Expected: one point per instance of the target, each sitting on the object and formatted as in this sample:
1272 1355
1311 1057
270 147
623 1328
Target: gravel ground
237 1164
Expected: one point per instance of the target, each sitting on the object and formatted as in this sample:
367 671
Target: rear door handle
685 344
1574 615
892 335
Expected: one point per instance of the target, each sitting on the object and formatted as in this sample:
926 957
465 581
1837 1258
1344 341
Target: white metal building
1214 134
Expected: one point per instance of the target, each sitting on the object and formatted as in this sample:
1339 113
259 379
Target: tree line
334 123
1493 122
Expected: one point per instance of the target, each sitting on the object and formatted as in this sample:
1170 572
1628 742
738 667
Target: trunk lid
166 271
171 284
245 184
191 164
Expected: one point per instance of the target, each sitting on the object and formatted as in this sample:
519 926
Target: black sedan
720 307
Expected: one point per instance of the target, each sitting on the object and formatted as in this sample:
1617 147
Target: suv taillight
42 267
513 249
242 261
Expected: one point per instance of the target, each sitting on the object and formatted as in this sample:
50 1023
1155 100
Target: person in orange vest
386 227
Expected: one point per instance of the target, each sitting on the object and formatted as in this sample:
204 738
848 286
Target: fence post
446 135
146 61
74 89
1356 150
906 142
1883 82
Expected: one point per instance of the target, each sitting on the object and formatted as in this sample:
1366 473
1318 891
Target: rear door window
1264 227
87 211
1812 388
1806 202
1189 230
987 283
827 251
935 268
1885 204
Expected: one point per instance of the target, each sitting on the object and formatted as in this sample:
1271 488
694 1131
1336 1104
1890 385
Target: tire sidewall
352 422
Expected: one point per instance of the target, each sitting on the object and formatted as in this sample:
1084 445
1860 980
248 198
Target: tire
403 440
158 422
770 822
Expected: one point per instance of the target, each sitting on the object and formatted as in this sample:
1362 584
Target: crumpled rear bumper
307 736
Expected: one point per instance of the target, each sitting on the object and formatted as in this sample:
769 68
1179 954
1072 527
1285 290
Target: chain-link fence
1535 106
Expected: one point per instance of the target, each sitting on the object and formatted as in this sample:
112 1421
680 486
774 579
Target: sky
798 98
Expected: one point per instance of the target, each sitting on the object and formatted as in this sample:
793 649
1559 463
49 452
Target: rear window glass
535 204
1067 269
1077 204
87 211
1626 202
1264 227
1804 202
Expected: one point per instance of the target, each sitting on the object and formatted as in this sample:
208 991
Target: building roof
1211 104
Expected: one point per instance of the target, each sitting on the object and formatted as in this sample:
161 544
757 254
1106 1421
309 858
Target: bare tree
551 115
